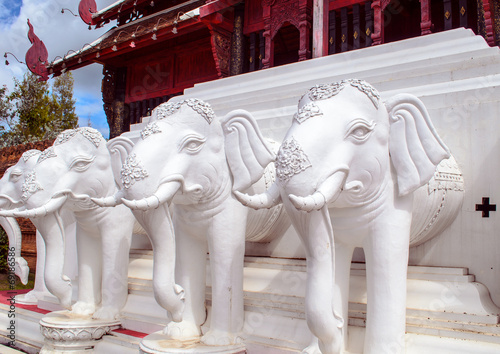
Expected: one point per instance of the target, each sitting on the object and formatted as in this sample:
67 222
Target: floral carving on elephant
77 166
188 157
347 167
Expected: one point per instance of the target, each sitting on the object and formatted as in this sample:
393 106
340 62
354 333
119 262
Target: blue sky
48 22
9 10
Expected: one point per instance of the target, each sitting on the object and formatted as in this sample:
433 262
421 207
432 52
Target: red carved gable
86 8
37 55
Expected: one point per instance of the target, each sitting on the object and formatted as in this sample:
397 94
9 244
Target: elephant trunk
52 230
326 193
268 199
159 227
316 232
50 207
13 231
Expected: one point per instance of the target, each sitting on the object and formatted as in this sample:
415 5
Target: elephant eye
192 144
360 130
15 175
82 163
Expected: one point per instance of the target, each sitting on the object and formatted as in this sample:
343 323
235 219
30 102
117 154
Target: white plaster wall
470 127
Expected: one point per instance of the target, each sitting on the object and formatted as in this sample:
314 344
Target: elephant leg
116 238
226 243
89 272
190 270
386 252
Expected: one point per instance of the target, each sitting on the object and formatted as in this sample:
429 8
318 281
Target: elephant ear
415 147
247 152
119 148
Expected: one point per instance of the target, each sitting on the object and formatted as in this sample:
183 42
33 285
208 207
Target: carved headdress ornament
326 91
29 154
202 108
90 134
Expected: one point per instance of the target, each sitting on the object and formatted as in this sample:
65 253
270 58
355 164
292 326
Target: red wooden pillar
268 60
320 28
490 36
378 21
305 26
425 17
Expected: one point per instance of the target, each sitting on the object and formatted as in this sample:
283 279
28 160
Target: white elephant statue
77 166
347 167
11 191
190 158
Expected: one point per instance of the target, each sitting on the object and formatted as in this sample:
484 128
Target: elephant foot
106 313
312 348
30 297
182 330
83 308
331 345
218 337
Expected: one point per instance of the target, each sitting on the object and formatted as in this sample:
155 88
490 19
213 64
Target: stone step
119 342
274 290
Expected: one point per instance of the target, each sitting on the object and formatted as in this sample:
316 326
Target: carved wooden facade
158 49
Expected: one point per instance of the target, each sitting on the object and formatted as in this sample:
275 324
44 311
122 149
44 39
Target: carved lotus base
65 332
156 343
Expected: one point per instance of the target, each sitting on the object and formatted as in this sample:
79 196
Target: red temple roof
159 26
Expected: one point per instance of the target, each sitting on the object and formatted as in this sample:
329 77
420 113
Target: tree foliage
35 111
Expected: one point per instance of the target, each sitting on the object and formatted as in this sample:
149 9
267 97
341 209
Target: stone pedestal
156 343
68 333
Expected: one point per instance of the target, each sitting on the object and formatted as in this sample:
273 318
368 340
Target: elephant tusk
312 202
164 193
268 199
12 202
8 213
51 206
327 192
110 201
151 202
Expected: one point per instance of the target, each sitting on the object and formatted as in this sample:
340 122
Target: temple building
159 48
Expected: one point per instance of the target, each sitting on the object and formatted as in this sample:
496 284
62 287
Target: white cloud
60 33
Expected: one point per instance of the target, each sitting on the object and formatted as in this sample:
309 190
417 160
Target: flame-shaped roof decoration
37 55
86 9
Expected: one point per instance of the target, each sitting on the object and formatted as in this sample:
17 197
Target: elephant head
61 173
349 152
182 157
